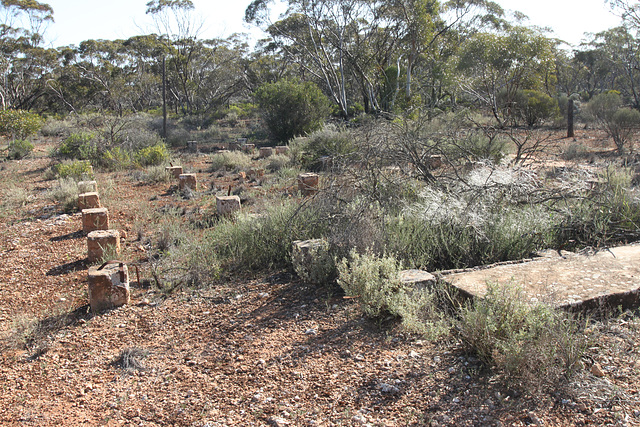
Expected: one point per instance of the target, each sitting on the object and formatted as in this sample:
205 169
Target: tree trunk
570 133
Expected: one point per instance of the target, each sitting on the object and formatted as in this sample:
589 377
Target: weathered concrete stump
282 149
312 261
265 152
226 205
176 171
108 287
188 180
100 242
88 201
87 186
95 219
417 279
248 148
255 173
308 183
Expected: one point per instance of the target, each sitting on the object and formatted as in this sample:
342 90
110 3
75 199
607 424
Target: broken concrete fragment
188 180
308 183
597 283
417 279
88 200
95 219
108 287
100 242
226 205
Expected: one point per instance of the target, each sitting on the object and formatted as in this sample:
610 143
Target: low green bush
79 145
72 169
116 158
264 242
19 124
534 345
154 155
65 192
315 265
327 142
19 149
231 161
375 282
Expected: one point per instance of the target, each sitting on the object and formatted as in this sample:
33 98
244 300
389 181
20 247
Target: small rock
311 331
278 422
535 420
388 388
414 354
360 419
451 370
263 295
596 370
437 359
456 400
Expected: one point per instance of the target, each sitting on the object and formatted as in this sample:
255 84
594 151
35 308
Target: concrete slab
576 282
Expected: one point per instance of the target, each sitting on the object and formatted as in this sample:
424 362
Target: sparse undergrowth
535 346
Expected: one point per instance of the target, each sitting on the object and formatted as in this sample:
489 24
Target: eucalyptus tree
329 40
495 66
617 51
24 63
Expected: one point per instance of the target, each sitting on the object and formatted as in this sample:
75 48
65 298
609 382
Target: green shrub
79 145
278 162
446 230
619 122
19 124
314 264
19 149
607 216
574 151
178 137
532 344
291 108
155 174
116 158
375 281
535 107
327 142
65 192
624 122
54 127
264 242
153 156
72 169
232 161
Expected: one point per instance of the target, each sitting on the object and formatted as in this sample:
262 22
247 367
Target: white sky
78 20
